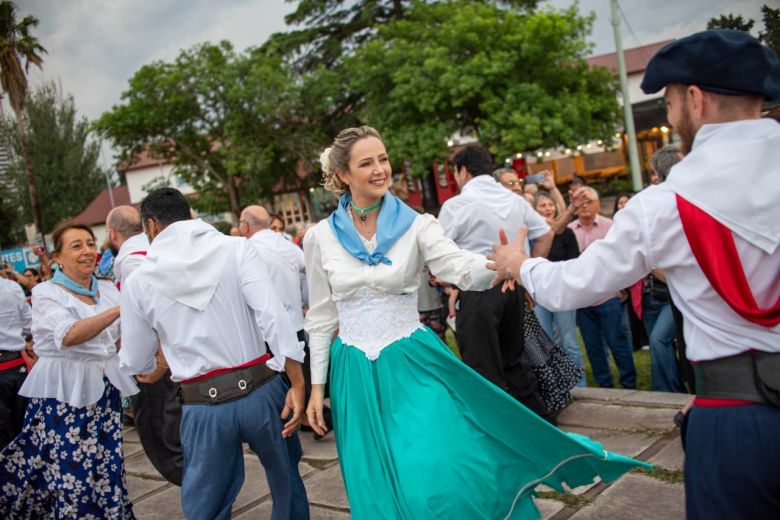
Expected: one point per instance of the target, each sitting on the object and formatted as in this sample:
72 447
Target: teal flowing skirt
421 435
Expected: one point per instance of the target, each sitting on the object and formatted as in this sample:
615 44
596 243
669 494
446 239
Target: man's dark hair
165 206
475 158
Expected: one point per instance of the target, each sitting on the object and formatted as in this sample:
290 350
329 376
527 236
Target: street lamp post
633 153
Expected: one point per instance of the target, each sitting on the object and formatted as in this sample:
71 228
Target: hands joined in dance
507 259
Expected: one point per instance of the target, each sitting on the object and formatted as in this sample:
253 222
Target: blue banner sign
20 258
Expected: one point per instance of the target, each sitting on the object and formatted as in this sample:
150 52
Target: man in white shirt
284 261
206 298
721 256
15 323
157 409
490 323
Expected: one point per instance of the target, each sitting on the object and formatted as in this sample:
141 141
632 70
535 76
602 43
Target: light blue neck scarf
394 220
64 280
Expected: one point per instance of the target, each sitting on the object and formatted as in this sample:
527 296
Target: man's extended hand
508 258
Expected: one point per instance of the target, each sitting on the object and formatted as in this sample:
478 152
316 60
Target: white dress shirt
730 174
73 374
284 261
15 316
647 234
130 256
473 218
226 320
379 303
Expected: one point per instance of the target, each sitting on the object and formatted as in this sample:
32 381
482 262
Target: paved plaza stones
627 421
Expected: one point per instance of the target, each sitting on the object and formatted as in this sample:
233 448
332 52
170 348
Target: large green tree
327 30
514 81
229 122
18 49
63 157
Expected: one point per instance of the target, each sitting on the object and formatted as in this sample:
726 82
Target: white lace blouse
73 374
373 306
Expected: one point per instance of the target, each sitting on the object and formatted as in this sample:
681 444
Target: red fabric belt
13 363
713 246
261 359
711 402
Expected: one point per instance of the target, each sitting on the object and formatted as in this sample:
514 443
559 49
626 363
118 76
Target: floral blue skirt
67 462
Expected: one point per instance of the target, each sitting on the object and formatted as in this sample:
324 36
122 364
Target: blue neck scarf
64 280
394 220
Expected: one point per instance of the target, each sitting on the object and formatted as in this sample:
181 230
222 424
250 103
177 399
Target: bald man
284 261
157 411
126 239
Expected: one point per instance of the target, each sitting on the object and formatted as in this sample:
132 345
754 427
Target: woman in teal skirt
419 434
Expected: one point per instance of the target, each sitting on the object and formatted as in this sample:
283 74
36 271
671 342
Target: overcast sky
95 46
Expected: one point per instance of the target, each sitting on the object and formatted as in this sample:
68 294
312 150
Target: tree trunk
36 208
232 192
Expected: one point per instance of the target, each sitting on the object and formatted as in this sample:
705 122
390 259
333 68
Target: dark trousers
12 405
158 419
604 323
491 340
732 463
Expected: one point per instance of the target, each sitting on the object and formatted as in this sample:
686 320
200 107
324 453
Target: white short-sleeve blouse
73 374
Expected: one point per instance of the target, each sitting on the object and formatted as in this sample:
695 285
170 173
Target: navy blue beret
719 60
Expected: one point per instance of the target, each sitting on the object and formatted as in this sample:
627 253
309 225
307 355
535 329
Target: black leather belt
750 376
9 355
227 386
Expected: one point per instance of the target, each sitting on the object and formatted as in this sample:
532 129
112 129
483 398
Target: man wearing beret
721 254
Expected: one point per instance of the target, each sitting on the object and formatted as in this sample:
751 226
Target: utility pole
633 152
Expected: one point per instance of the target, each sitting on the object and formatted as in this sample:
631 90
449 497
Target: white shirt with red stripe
15 316
648 234
130 256
207 300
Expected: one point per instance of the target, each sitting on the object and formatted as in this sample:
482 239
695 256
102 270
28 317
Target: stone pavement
631 422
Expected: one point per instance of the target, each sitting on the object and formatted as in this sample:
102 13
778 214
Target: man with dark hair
490 323
721 256
206 298
157 409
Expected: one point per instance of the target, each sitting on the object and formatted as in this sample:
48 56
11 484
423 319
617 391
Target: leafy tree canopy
770 36
229 122
331 29
63 155
729 21
512 80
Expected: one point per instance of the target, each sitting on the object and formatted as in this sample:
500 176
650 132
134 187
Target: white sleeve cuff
319 349
525 274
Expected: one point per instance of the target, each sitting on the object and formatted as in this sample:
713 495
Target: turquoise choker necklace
362 211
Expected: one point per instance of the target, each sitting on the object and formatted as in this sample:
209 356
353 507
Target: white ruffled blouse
73 374
374 306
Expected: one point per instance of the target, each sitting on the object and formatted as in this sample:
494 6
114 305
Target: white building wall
138 179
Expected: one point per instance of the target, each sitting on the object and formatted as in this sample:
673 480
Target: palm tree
17 45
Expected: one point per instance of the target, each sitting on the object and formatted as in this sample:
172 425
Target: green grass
641 361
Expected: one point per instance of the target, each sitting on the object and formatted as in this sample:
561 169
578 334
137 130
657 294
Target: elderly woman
419 433
67 461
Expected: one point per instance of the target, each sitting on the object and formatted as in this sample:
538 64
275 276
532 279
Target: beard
686 131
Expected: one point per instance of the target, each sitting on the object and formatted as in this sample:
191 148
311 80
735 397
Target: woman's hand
314 410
